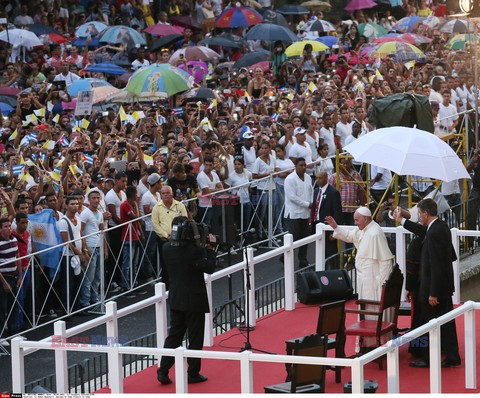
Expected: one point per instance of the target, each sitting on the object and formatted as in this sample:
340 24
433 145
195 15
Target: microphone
250 231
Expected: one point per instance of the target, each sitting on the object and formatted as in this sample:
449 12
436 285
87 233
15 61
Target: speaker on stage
223 218
320 286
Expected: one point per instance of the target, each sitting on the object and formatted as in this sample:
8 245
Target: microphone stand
248 345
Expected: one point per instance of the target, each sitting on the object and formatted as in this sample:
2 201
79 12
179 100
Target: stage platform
270 334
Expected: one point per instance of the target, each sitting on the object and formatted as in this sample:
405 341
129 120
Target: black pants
114 261
298 227
181 322
163 266
8 306
448 331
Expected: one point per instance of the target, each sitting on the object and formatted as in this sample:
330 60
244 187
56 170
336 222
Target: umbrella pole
384 196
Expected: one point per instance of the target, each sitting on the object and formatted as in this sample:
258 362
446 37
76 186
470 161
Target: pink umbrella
164 30
414 38
359 5
264 65
9 91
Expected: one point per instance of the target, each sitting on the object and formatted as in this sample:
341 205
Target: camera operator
186 262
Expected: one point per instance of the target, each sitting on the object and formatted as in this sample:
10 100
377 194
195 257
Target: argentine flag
44 232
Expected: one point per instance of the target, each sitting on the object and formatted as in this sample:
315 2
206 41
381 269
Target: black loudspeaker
317 287
223 218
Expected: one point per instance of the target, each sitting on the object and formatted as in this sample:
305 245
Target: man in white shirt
343 129
301 149
298 202
327 135
65 75
23 19
436 89
209 183
379 182
147 202
249 153
140 61
312 138
447 114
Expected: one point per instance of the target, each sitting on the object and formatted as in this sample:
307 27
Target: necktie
317 208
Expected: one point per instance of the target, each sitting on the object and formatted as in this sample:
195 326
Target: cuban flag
34 137
87 159
17 169
161 120
274 117
64 141
43 229
177 111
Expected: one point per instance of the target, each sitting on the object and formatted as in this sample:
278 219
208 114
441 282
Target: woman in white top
324 162
263 167
239 178
286 166
288 140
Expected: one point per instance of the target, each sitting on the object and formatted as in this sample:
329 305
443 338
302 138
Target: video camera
190 231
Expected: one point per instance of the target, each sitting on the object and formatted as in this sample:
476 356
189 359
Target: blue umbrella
293 9
82 42
90 29
5 108
86 85
407 24
328 40
271 32
106 67
121 35
40 29
252 59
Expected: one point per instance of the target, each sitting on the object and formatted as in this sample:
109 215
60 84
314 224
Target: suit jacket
436 270
331 205
186 266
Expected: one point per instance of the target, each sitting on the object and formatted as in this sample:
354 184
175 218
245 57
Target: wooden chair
305 378
377 329
331 320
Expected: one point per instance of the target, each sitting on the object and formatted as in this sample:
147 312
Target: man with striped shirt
10 276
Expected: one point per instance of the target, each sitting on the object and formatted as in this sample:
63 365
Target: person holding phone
256 86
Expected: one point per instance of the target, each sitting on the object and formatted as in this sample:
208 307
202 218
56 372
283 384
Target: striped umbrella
238 17
456 26
318 25
371 30
400 51
194 53
159 81
458 42
407 24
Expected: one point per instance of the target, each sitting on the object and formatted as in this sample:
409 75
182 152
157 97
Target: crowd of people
280 122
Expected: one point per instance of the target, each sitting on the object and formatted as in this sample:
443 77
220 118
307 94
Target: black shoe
419 364
303 265
163 378
198 378
448 363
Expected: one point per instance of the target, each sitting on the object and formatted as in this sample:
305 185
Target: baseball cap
30 185
435 104
153 178
299 130
98 177
247 133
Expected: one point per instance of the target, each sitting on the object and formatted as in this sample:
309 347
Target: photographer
186 262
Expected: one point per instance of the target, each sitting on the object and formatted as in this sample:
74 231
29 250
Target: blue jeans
125 281
149 261
90 288
23 293
278 219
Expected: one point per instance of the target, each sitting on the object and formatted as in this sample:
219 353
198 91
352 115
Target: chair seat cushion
368 327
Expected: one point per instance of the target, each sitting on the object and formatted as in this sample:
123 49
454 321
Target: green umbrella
371 30
458 42
159 81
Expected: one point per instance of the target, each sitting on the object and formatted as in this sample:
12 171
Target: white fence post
208 336
470 349
393 371
289 271
180 371
435 359
161 316
115 376
18 365
357 376
61 362
251 298
456 266
320 247
246 373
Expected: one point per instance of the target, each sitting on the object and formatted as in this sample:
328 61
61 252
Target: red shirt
126 214
22 242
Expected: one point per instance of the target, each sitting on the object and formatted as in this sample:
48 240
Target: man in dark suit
436 284
326 202
186 263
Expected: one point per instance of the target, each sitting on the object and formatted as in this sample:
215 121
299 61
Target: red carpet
270 335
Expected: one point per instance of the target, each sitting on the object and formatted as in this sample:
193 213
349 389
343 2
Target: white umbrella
195 53
20 37
409 151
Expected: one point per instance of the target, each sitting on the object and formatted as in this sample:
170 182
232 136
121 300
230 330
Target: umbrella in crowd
432 21
317 5
355 5
4 90
252 58
5 108
409 151
86 85
407 24
193 54
371 30
271 32
456 26
12 101
121 35
92 28
40 29
221 41
161 29
198 94
185 21
459 42
104 93
52 38
400 51
293 9
108 68
84 41
159 81
238 17
328 40
270 16
296 49
318 25
20 37
264 65
414 38
197 69
165 41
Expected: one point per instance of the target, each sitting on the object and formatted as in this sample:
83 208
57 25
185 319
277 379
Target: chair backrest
314 345
331 318
392 292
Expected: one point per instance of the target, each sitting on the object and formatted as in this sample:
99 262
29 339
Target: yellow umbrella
296 49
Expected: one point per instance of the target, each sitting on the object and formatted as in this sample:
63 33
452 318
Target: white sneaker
4 343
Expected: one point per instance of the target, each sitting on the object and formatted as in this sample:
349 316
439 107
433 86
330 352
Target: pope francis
374 260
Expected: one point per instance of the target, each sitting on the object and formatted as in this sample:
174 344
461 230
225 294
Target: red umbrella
9 91
54 38
164 30
264 65
360 5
